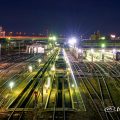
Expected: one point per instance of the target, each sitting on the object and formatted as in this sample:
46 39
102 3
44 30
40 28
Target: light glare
72 41
11 84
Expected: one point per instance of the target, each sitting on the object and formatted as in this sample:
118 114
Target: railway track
90 89
113 73
16 78
15 59
25 95
58 105
59 101
12 67
105 94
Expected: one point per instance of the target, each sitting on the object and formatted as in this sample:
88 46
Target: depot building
35 48
99 49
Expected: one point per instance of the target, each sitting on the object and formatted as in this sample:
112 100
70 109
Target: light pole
0 51
8 47
103 51
80 55
80 50
72 85
39 61
19 48
48 84
53 40
114 52
11 85
30 68
53 68
72 42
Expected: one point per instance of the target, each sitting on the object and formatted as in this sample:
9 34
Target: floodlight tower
114 53
72 42
103 50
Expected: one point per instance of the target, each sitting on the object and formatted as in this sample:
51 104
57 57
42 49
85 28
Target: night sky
61 16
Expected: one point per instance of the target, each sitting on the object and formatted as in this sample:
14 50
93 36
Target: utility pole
19 48
0 51
35 105
42 94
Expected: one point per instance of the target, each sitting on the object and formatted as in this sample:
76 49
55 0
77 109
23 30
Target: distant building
87 44
35 48
2 33
95 36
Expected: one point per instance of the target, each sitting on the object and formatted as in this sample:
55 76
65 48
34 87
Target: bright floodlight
72 41
80 50
53 68
50 38
102 38
112 36
9 38
68 69
103 45
92 50
30 68
54 38
11 85
103 50
73 85
114 51
39 60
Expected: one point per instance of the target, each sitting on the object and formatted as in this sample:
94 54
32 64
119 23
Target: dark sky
61 16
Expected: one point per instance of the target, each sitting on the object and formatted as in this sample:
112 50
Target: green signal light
102 38
103 45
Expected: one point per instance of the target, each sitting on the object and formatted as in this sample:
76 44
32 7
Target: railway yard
58 87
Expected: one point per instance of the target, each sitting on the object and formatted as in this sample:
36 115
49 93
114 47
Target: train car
60 64
117 56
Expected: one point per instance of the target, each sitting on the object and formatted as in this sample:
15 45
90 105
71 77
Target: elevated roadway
30 38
